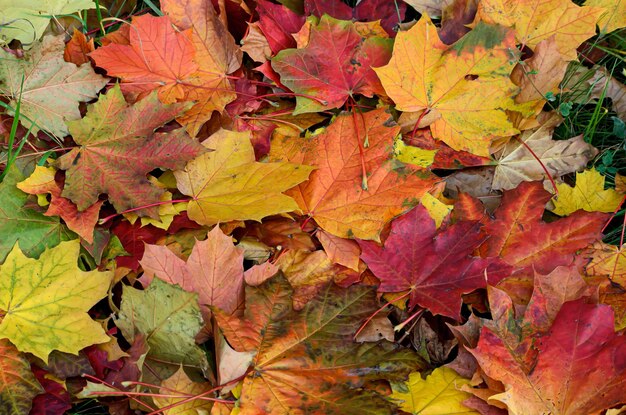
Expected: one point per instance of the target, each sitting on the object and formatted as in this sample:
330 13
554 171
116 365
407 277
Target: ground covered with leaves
312 207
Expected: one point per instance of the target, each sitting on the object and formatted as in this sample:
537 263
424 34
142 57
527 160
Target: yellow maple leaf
588 194
608 261
228 184
614 16
537 20
436 208
465 88
176 385
47 309
438 394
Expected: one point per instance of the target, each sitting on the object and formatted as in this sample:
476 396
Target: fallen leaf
539 75
334 194
329 74
48 310
580 365
437 210
588 194
216 55
118 148
141 64
432 8
550 292
307 362
52 88
28 19
278 24
340 251
42 182
537 20
417 258
517 163
519 236
438 394
19 386
228 184
306 272
390 14
169 318
465 86
614 16
214 271
56 398
34 231
255 44
608 261
77 50
179 383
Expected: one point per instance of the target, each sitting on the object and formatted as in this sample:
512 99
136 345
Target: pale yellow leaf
588 194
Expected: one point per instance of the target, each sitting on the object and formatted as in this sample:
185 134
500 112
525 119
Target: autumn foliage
305 207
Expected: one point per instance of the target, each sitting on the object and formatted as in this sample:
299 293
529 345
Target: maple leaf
52 88
417 258
56 399
579 368
550 292
180 383
169 318
518 162
214 270
438 394
539 75
341 251
588 194
78 48
335 65
334 195
307 272
228 184
519 236
118 147
390 14
537 20
423 150
47 310
277 23
42 182
464 88
216 55
307 362
142 65
18 387
34 231
27 20
609 261
614 16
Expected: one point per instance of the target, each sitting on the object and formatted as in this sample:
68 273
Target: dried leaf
52 88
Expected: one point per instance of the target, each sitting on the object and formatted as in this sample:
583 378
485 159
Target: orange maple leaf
156 58
334 195
216 55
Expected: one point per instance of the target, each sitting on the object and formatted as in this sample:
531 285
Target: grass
595 117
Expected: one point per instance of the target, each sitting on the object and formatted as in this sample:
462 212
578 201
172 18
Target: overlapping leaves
288 162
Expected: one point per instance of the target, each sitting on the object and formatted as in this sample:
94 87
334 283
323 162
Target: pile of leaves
308 207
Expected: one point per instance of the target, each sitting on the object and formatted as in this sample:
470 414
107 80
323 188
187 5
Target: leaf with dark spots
307 362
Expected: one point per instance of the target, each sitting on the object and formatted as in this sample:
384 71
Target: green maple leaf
32 229
44 302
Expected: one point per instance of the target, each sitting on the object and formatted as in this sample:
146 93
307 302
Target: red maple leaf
436 266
